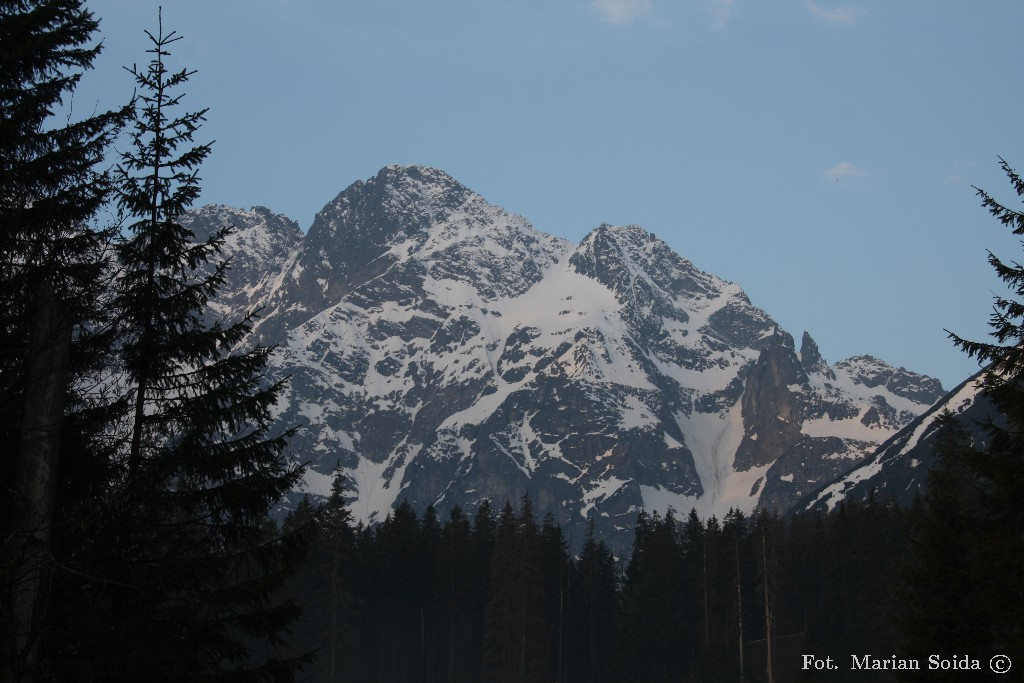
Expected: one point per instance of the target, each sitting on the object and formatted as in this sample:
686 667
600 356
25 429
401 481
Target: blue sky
819 153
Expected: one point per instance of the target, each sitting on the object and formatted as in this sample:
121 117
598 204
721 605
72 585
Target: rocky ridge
443 351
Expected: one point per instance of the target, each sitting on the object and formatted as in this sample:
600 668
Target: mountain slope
442 351
899 468
259 246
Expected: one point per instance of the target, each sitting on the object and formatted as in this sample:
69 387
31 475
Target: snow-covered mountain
899 468
259 245
443 351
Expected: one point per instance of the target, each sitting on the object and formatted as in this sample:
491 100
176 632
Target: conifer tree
654 609
336 545
454 580
51 260
697 584
481 549
517 628
429 551
593 613
765 533
200 461
999 470
733 532
941 610
555 570
403 586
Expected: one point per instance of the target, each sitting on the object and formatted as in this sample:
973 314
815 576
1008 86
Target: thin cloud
961 167
833 15
844 169
621 12
721 12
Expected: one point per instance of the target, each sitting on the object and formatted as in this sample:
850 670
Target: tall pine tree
939 594
326 586
193 568
454 586
655 609
517 630
590 640
999 470
50 263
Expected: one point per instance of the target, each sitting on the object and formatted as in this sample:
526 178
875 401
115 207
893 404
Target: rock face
259 246
899 468
442 351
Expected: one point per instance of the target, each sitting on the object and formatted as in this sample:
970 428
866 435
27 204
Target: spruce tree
592 613
655 609
200 463
454 581
999 470
431 641
51 259
517 630
330 599
402 586
481 550
697 585
555 570
939 594
734 535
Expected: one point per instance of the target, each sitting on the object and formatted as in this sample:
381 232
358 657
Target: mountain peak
627 259
423 182
872 372
624 238
259 244
400 201
444 351
810 357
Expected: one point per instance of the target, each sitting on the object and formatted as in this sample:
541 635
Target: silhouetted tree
593 613
941 605
332 558
999 470
402 584
455 580
199 465
51 263
654 608
517 630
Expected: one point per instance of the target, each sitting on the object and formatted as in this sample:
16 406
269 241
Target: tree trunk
739 605
767 608
335 590
36 473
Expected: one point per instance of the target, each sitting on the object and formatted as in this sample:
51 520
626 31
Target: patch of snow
713 438
834 493
850 428
601 490
522 468
844 380
660 500
375 493
316 483
634 414
959 402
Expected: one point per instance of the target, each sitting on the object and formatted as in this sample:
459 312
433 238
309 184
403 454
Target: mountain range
442 351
